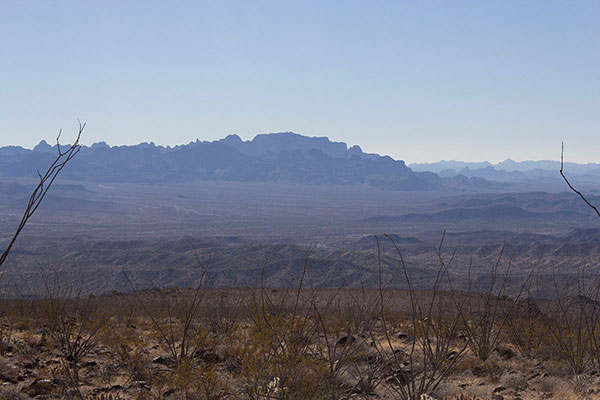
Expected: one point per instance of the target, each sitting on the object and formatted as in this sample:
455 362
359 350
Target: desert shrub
345 328
486 309
6 331
190 379
75 324
467 363
547 384
417 367
573 329
276 360
515 381
530 336
223 311
175 318
128 346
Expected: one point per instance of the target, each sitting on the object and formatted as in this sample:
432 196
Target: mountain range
278 157
507 165
291 158
513 171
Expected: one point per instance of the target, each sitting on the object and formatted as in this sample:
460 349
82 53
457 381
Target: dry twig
562 164
46 180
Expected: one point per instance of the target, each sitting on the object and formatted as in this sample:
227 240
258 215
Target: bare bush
417 367
75 324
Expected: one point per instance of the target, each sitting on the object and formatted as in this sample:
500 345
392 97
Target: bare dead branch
45 182
562 164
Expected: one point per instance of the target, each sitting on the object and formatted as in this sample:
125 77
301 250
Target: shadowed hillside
281 157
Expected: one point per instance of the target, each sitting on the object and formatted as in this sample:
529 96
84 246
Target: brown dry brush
75 324
177 324
353 352
486 311
304 344
590 297
417 367
309 344
564 329
276 352
527 327
345 326
575 326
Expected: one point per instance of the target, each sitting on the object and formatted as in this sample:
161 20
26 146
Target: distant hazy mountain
508 165
445 165
287 157
523 173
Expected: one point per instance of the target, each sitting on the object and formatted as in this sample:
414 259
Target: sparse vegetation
295 343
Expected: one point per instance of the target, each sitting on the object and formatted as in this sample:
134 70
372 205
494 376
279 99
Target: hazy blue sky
418 80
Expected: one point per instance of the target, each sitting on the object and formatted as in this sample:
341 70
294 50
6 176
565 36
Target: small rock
505 352
345 340
160 360
28 365
7 379
462 336
142 385
210 357
400 377
499 389
399 353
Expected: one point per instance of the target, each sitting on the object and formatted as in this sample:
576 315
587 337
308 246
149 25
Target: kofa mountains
278 157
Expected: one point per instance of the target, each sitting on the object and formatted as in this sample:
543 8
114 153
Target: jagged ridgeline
277 157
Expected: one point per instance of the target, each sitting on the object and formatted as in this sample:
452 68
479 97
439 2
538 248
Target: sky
417 80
